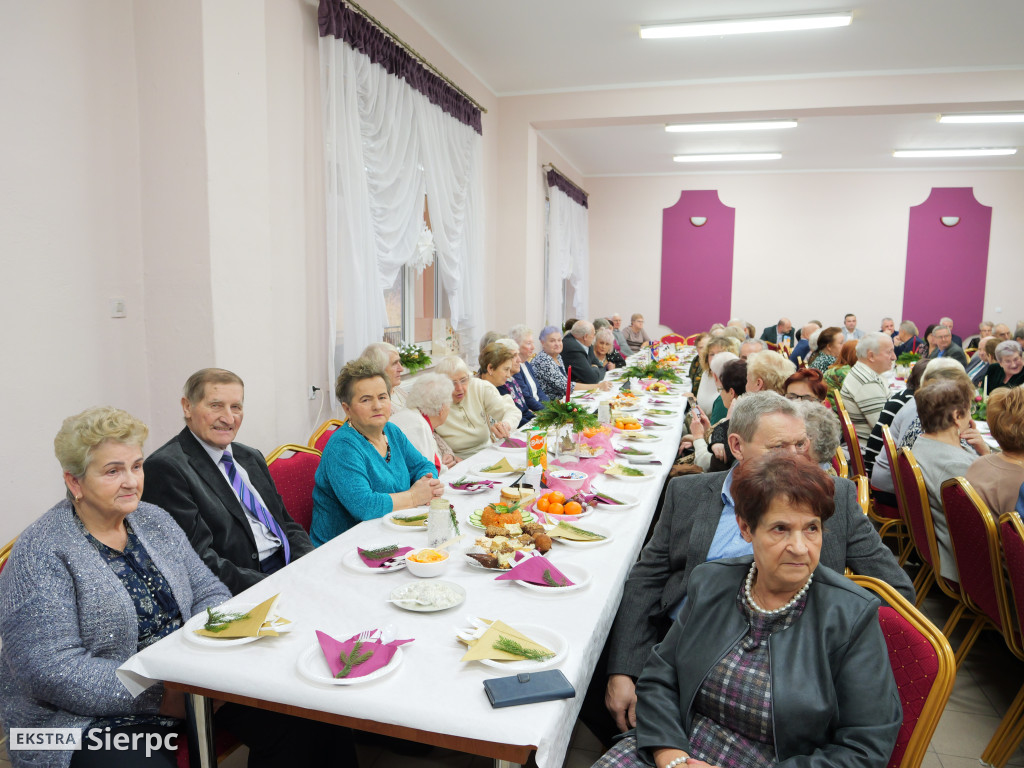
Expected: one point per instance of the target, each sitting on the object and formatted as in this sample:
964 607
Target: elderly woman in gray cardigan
94 580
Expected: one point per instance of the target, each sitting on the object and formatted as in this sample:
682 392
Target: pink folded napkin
651 423
383 557
355 657
513 442
535 569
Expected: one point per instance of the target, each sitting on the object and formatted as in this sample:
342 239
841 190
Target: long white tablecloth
431 690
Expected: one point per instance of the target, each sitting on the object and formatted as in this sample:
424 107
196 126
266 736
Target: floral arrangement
908 359
558 413
413 357
650 371
979 408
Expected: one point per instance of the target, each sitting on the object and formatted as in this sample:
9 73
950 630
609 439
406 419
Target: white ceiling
545 46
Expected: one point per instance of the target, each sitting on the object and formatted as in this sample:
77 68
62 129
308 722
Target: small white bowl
570 477
426 570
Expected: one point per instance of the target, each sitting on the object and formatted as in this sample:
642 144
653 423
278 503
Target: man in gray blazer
946 347
233 515
698 524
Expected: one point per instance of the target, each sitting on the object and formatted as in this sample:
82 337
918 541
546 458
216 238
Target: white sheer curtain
568 256
386 147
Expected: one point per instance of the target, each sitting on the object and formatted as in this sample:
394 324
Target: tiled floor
986 684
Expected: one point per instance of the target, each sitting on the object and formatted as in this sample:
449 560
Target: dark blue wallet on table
528 688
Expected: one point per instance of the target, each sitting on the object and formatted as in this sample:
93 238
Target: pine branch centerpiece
558 414
651 370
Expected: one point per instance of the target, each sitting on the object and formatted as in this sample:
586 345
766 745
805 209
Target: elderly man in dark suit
698 524
780 333
220 491
578 351
945 346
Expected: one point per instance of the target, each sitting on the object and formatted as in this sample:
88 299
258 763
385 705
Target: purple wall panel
696 262
946 266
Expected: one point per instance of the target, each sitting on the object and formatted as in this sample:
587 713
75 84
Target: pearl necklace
749 583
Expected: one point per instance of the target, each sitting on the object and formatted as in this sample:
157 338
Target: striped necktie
251 503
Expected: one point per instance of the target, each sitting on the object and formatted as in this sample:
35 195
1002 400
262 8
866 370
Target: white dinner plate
628 501
599 530
657 427
406 513
313 666
353 562
474 518
199 621
647 475
575 573
398 592
494 475
546 637
475 490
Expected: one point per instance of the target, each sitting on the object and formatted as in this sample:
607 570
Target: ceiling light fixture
727 158
746 26
1005 117
750 125
954 152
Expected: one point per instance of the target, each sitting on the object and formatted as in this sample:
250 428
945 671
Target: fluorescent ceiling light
750 125
1005 117
746 26
726 158
953 152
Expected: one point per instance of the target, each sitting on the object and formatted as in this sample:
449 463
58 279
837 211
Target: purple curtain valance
577 195
340 21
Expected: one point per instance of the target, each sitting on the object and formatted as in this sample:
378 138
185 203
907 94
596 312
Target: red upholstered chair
294 477
979 562
1010 732
850 438
887 518
839 463
922 663
673 338
5 552
690 339
323 433
863 493
918 511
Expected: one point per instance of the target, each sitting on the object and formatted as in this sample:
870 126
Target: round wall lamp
949 221
698 221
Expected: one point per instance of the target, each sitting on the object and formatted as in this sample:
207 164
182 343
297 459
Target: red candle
568 383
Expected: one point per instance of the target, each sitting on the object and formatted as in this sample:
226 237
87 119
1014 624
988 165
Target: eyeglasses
807 398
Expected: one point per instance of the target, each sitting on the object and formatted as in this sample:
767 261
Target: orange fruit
557 497
556 509
618 425
542 503
572 508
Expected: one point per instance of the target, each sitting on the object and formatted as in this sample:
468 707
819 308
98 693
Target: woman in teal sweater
369 468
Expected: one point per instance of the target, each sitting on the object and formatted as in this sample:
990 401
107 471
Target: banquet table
431 696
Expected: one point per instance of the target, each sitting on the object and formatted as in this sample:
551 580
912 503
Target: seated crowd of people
752 538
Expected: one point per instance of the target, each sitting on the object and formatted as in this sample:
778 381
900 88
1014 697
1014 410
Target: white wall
807 245
69 235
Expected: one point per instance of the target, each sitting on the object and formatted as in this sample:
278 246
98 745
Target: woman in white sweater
478 412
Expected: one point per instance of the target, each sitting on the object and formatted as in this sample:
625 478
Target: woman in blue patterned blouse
829 344
96 579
